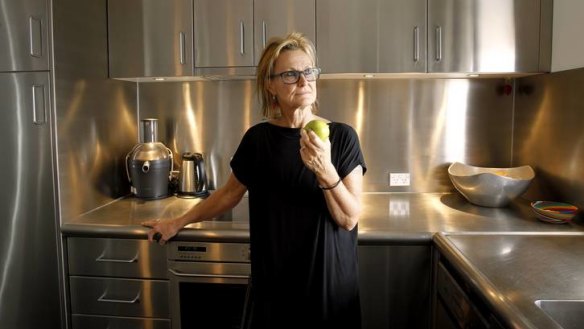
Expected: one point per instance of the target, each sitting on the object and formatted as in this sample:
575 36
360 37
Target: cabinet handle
192 275
104 299
241 38
101 258
264 34
438 37
38 105
416 44
35 29
181 45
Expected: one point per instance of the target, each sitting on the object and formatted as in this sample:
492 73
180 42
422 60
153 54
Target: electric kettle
192 178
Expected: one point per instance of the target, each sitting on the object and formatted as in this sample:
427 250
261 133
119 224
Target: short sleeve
242 162
346 149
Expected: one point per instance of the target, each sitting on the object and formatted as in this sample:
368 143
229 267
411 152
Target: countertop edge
141 232
229 235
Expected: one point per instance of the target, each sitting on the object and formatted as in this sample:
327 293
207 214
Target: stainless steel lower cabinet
116 322
395 284
117 284
123 297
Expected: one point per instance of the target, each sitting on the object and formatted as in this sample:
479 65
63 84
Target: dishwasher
209 285
456 306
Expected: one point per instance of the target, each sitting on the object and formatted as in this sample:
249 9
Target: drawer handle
192 275
104 299
101 258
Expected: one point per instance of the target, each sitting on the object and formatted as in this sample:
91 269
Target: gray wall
405 125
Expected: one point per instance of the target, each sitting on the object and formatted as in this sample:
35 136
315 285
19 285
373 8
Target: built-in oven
209 285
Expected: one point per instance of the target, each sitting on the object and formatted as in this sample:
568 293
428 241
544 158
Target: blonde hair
265 69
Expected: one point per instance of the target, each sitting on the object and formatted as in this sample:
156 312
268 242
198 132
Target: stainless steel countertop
512 271
509 255
401 218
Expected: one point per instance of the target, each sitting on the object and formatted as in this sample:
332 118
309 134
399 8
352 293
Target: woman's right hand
162 230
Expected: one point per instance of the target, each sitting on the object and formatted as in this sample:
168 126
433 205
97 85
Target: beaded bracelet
330 187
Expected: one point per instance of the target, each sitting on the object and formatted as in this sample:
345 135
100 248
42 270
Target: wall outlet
399 179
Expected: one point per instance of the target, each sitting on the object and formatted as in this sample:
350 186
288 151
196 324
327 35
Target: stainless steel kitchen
116 112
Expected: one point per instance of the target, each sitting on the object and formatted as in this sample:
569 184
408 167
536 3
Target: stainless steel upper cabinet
24 35
150 38
487 36
280 17
223 33
371 36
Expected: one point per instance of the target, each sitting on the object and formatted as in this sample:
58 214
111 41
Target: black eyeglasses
291 77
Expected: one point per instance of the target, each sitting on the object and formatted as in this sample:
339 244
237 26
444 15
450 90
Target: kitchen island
398 232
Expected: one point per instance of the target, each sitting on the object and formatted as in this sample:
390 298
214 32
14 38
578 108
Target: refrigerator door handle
35 36
38 104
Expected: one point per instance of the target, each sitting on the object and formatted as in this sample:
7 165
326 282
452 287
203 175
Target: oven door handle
192 275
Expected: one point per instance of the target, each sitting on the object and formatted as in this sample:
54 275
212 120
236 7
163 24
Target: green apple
320 128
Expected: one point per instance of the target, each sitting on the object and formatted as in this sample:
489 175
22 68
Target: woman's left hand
315 153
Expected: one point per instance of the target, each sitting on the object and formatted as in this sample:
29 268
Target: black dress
304 266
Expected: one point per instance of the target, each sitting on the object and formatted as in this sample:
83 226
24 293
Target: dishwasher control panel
208 251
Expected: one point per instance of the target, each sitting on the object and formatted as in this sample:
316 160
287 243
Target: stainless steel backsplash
96 117
416 126
549 134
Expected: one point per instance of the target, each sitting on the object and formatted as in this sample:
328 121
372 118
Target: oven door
210 295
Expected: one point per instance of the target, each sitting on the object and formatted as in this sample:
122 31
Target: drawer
123 297
128 258
116 322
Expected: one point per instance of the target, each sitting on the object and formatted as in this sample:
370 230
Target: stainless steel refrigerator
29 266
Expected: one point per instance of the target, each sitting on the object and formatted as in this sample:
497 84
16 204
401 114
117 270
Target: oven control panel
208 251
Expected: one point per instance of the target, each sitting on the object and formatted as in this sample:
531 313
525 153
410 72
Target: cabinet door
223 33
29 293
23 35
486 36
280 17
383 36
149 38
395 286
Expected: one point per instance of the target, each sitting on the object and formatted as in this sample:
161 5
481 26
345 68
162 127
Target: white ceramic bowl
490 187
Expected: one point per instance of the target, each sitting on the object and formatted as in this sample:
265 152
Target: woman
304 200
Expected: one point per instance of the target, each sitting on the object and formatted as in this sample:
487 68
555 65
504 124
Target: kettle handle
201 174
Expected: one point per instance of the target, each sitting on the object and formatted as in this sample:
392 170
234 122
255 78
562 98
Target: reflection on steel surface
416 126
